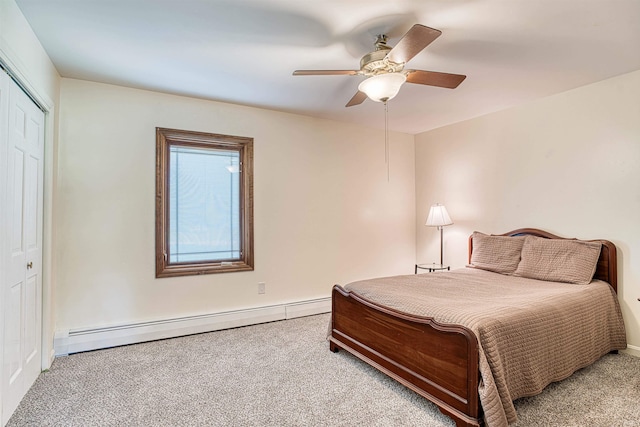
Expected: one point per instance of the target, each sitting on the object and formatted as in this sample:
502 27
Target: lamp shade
382 87
438 216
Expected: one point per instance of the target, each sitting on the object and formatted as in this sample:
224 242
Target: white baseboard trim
77 340
632 350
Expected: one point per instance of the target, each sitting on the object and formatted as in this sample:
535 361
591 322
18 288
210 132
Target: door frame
47 105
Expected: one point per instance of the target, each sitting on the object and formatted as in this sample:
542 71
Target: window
204 203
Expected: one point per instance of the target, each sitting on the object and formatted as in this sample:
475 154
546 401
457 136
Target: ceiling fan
384 67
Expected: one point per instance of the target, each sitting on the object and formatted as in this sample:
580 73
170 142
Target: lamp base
432 267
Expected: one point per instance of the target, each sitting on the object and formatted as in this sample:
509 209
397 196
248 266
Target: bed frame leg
461 422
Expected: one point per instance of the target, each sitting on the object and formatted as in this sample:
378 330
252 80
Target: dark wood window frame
165 139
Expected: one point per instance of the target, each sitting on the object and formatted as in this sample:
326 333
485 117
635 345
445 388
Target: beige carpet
283 374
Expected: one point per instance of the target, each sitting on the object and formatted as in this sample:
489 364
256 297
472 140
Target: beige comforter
530 332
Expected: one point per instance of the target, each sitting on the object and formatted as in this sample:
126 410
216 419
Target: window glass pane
204 204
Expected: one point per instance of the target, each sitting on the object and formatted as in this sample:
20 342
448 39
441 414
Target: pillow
500 254
556 260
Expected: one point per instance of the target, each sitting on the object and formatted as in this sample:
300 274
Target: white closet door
22 219
4 119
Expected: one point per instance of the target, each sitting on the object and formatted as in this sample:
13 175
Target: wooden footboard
439 362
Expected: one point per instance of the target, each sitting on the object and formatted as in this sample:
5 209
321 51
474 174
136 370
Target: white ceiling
241 51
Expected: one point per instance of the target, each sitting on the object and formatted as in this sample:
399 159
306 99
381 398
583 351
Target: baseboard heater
78 340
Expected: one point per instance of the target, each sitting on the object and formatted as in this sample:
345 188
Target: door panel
17 188
31 196
12 335
31 320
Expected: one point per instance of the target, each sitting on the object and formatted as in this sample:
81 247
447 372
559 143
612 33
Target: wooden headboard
607 268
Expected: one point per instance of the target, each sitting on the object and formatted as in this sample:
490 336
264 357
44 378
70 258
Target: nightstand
432 267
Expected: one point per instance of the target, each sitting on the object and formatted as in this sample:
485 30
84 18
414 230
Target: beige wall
22 53
569 164
324 211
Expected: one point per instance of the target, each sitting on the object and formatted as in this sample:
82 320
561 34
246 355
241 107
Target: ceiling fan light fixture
382 87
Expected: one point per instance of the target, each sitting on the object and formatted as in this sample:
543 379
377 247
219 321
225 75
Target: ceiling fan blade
416 39
433 78
326 72
358 98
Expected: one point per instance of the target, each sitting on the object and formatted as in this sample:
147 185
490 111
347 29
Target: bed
448 338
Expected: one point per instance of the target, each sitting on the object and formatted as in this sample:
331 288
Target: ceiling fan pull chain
386 136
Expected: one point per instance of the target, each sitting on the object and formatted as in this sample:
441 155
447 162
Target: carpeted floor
283 374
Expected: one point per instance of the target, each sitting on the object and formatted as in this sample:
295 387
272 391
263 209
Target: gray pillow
500 254
557 260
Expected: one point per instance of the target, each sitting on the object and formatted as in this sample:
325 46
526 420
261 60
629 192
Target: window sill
175 270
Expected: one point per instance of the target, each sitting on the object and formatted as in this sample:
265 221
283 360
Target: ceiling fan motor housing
374 62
